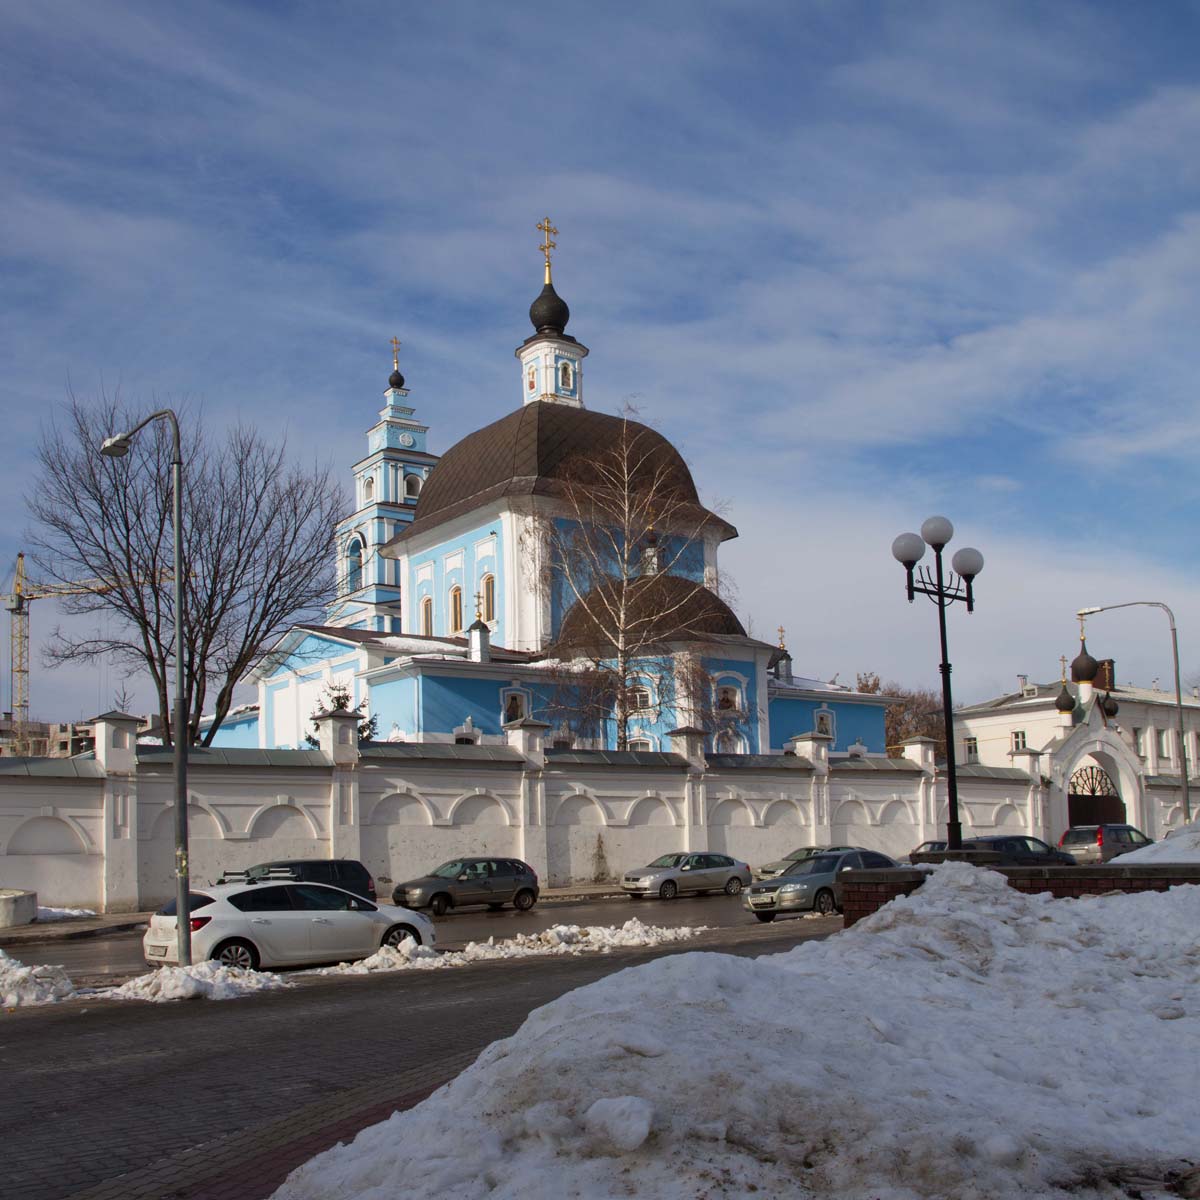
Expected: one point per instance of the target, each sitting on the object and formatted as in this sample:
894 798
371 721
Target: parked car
670 874
810 885
1017 850
465 881
345 873
278 924
1102 843
771 869
927 848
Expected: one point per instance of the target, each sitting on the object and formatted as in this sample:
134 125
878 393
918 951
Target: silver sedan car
785 864
812 885
670 874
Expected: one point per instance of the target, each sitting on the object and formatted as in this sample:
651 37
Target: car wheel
765 917
524 900
734 886
439 904
398 933
496 907
668 891
236 953
825 904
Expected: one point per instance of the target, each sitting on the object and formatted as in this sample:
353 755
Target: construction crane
17 602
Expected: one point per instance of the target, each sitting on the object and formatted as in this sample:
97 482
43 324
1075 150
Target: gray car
462 881
812 885
670 874
789 860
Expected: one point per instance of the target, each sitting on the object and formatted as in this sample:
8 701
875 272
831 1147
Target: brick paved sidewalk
251 1165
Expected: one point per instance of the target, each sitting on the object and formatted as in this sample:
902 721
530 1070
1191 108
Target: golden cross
549 244
1082 624
1062 658
781 642
478 607
395 353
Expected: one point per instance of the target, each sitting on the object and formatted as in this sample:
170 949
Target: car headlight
792 888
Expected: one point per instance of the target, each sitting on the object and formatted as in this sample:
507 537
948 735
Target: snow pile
21 985
63 914
558 939
1182 846
201 981
968 1041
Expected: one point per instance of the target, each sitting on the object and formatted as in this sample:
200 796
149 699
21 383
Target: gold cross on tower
395 354
1062 658
478 607
549 244
782 644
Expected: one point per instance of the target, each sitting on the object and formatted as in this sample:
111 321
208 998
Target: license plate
157 951
765 902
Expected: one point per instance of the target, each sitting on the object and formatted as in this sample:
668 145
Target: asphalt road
120 955
96 1089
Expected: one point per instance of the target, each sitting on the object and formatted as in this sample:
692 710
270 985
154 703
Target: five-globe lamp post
117 447
908 549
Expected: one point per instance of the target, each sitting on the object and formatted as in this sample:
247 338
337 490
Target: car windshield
819 864
668 860
195 900
797 855
450 870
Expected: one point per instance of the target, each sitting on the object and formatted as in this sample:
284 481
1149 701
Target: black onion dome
1085 668
659 608
395 379
1065 702
532 450
1109 706
549 312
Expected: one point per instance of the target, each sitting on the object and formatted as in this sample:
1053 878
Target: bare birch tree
257 544
616 541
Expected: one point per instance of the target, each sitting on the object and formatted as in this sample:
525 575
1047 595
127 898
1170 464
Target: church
556 566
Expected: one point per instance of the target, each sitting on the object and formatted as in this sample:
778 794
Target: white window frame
1018 739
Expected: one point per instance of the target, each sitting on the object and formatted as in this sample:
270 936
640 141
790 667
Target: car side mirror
463 877
847 868
686 867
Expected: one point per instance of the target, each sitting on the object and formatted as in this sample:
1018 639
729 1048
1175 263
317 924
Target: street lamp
117 447
908 550
1183 775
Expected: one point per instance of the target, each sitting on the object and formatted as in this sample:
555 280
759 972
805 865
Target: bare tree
614 543
917 713
257 544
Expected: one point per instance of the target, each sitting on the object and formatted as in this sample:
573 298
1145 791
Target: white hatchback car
282 925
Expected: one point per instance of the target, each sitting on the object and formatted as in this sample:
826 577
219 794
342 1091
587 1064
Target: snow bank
201 981
21 985
968 1041
558 939
63 914
1183 846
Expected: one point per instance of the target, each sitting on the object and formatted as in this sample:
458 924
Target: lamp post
908 549
1183 774
118 447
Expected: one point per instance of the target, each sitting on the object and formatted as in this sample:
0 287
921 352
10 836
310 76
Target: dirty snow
63 914
201 981
966 1042
1183 846
558 939
21 985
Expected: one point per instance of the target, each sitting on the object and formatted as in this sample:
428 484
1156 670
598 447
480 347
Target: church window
488 588
1164 744
412 486
354 562
427 616
639 698
640 744
1018 739
971 749
368 489
456 622
531 380
564 376
1139 741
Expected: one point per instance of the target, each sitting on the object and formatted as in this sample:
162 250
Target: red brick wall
865 892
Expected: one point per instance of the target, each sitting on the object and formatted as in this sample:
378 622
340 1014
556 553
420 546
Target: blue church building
471 593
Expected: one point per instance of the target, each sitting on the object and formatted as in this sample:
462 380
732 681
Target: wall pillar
337 739
815 748
116 752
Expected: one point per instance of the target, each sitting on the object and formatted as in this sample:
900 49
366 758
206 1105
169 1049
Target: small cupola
1084 668
1065 702
395 379
783 660
1108 706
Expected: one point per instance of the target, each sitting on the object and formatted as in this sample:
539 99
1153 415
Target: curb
42 936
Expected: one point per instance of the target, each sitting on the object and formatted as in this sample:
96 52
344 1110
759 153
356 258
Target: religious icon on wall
824 724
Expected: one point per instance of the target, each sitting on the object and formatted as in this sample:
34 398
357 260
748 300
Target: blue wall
240 732
469 577
789 717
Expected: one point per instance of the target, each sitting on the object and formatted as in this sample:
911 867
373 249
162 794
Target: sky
861 262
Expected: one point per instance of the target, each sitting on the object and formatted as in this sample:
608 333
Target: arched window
564 375
488 589
639 698
456 610
368 489
412 486
427 616
640 744
354 557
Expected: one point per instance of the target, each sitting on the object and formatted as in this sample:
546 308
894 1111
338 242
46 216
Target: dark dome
1085 668
661 608
1065 702
1109 706
549 312
395 379
529 451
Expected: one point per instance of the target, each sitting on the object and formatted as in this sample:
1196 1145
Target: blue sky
861 261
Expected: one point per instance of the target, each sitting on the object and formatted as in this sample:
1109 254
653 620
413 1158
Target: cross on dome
549 244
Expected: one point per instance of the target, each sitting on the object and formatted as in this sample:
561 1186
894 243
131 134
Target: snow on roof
931 1050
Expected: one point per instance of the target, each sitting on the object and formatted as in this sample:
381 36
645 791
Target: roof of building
503 756
1039 695
232 756
530 452
979 771
757 762
60 768
870 762
413 643
655 609
615 758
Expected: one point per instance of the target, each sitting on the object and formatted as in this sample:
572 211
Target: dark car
810 885
1019 850
462 881
928 848
1102 843
347 873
